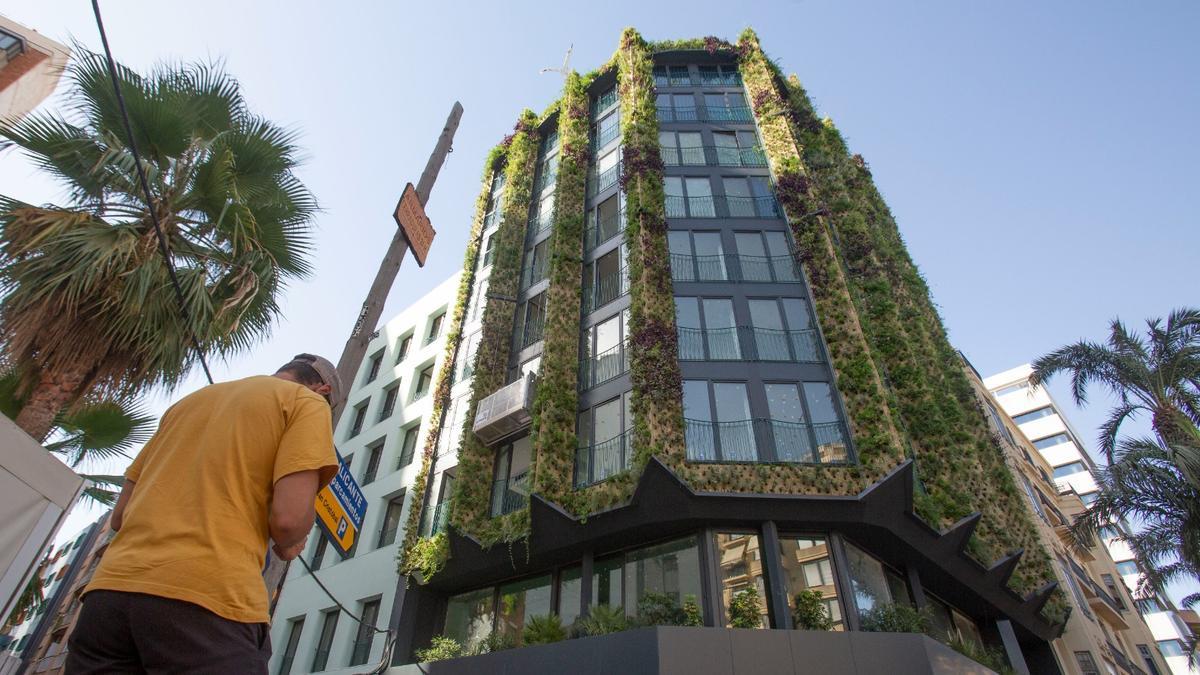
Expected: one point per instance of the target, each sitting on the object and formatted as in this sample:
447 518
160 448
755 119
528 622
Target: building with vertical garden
698 380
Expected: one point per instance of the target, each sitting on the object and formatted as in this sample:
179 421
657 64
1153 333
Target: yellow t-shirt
195 528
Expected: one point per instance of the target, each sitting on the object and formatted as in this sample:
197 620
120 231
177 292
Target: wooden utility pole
372 307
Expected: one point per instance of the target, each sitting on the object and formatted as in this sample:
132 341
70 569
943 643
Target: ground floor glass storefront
819 578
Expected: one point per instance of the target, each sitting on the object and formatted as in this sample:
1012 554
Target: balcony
718 79
511 494
745 441
606 101
607 289
534 272
544 181
603 230
605 136
436 520
603 181
597 462
539 223
704 113
713 155
736 268
748 343
722 206
607 365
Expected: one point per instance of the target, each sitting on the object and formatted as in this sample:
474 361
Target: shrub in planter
440 648
810 612
744 610
543 630
896 618
659 609
602 620
691 612
991 658
496 641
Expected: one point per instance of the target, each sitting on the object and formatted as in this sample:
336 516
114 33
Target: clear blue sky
1039 157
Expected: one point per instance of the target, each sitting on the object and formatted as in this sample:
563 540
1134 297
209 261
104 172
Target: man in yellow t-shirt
180 588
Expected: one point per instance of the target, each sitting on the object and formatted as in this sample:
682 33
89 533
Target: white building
30 67
1040 418
381 434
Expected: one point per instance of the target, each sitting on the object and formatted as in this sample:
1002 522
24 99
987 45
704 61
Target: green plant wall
557 396
406 556
472 488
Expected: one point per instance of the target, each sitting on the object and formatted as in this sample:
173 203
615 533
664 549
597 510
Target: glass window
780 251
469 616
721 330
1051 441
374 454
289 653
699 198
1034 415
391 521
670 149
673 188
329 622
1089 498
435 328
770 337
1171 648
967 629
569 589
941 620
373 370
389 401
423 381
365 635
807 568
738 198
1069 469
831 444
710 256
697 415
671 569
872 584
519 602
735 426
788 423
1127 567
408 446
1011 389
801 333
1087 664
739 557
606 581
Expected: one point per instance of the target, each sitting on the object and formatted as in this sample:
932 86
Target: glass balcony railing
713 155
735 267
606 179
436 520
753 440
607 289
511 494
533 273
707 79
539 223
604 229
722 206
544 181
607 100
607 365
596 462
748 343
705 113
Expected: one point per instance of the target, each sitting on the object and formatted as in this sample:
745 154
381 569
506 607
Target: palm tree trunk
53 392
1181 439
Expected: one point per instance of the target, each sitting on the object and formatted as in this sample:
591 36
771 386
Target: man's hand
290 552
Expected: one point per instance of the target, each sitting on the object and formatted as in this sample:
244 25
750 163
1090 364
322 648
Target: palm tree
1157 374
87 304
1144 484
92 430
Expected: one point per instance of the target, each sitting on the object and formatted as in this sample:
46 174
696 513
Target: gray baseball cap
329 375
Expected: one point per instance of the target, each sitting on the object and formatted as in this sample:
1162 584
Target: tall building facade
1041 419
30 67
1105 631
706 374
380 435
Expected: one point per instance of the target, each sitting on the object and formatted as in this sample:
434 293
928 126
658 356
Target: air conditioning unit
505 412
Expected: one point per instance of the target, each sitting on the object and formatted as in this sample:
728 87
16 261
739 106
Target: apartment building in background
52 571
380 435
1041 419
689 383
30 67
1105 632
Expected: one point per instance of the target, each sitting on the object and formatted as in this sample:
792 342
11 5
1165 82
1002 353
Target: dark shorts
135 633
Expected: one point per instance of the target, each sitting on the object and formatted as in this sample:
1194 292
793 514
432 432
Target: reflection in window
872 583
807 567
521 601
569 589
606 581
671 569
740 559
469 616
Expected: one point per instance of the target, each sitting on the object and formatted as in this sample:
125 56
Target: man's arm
118 512
292 512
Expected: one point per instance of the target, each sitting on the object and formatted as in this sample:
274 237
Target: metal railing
735 267
718 79
705 113
748 343
510 494
607 289
603 181
713 155
539 223
603 229
599 461
544 181
722 206
436 519
605 136
607 365
533 333
606 101
766 440
533 273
